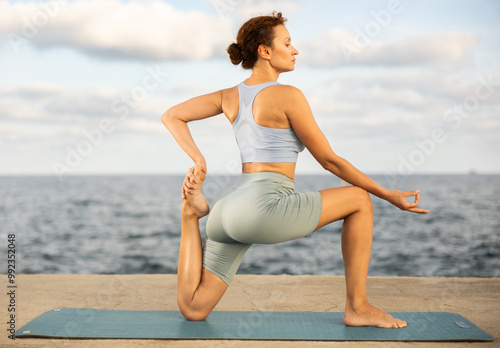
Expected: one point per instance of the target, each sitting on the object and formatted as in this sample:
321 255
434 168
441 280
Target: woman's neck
261 74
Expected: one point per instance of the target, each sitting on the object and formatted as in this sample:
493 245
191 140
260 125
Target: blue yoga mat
257 325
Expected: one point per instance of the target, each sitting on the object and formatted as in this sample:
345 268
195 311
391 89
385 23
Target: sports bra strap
259 143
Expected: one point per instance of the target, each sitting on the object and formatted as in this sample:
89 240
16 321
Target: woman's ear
264 52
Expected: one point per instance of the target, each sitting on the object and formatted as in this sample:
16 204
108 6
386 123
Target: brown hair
255 32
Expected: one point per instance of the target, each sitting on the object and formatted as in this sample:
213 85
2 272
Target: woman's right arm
177 117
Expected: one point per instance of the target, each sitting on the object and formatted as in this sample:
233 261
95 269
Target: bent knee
193 314
363 197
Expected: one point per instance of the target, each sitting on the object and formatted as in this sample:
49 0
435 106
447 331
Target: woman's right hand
193 177
201 165
398 198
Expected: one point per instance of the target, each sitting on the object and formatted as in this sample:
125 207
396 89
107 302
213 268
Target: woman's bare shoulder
289 89
229 93
289 94
230 102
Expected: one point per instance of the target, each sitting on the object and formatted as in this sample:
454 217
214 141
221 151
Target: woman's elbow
330 164
167 117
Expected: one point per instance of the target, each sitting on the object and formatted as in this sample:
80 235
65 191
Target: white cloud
384 103
339 47
150 29
84 107
398 105
52 103
245 9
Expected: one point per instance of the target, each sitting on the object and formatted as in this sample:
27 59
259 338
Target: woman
272 124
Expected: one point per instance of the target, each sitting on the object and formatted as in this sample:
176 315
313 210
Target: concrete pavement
477 299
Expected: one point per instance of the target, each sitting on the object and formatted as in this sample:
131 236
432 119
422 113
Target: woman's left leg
198 290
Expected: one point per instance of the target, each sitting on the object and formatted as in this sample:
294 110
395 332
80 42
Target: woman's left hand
398 198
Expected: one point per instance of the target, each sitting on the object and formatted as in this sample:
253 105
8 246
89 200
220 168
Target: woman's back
268 107
268 113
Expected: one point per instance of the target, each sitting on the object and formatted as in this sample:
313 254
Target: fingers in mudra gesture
399 199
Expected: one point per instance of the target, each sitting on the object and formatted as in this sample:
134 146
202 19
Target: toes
401 324
396 325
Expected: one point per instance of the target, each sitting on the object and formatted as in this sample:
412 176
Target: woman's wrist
385 194
200 161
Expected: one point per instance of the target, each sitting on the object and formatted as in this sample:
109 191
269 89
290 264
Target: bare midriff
287 169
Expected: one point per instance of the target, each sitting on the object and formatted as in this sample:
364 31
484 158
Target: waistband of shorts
277 178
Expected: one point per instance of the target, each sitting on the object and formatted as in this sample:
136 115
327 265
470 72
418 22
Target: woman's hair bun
253 33
235 55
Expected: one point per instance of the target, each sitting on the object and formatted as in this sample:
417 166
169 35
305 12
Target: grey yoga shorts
262 208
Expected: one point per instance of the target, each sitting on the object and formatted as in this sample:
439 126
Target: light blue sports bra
258 143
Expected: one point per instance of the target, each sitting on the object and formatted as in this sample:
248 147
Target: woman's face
282 54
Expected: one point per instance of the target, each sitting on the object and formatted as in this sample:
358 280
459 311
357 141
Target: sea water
131 225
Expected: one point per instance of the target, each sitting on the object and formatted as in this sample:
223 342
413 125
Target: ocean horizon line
10 175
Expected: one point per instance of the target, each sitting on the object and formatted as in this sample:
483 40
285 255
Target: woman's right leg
198 290
353 204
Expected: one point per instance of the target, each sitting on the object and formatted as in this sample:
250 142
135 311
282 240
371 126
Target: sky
397 86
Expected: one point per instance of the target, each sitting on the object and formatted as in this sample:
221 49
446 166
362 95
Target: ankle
357 303
188 212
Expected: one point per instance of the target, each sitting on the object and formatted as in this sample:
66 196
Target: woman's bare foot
367 315
193 199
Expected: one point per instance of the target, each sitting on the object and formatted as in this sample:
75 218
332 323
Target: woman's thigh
340 202
266 216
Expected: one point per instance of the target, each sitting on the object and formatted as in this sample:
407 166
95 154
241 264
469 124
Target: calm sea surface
131 224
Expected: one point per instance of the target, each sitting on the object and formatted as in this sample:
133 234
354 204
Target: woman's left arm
303 123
